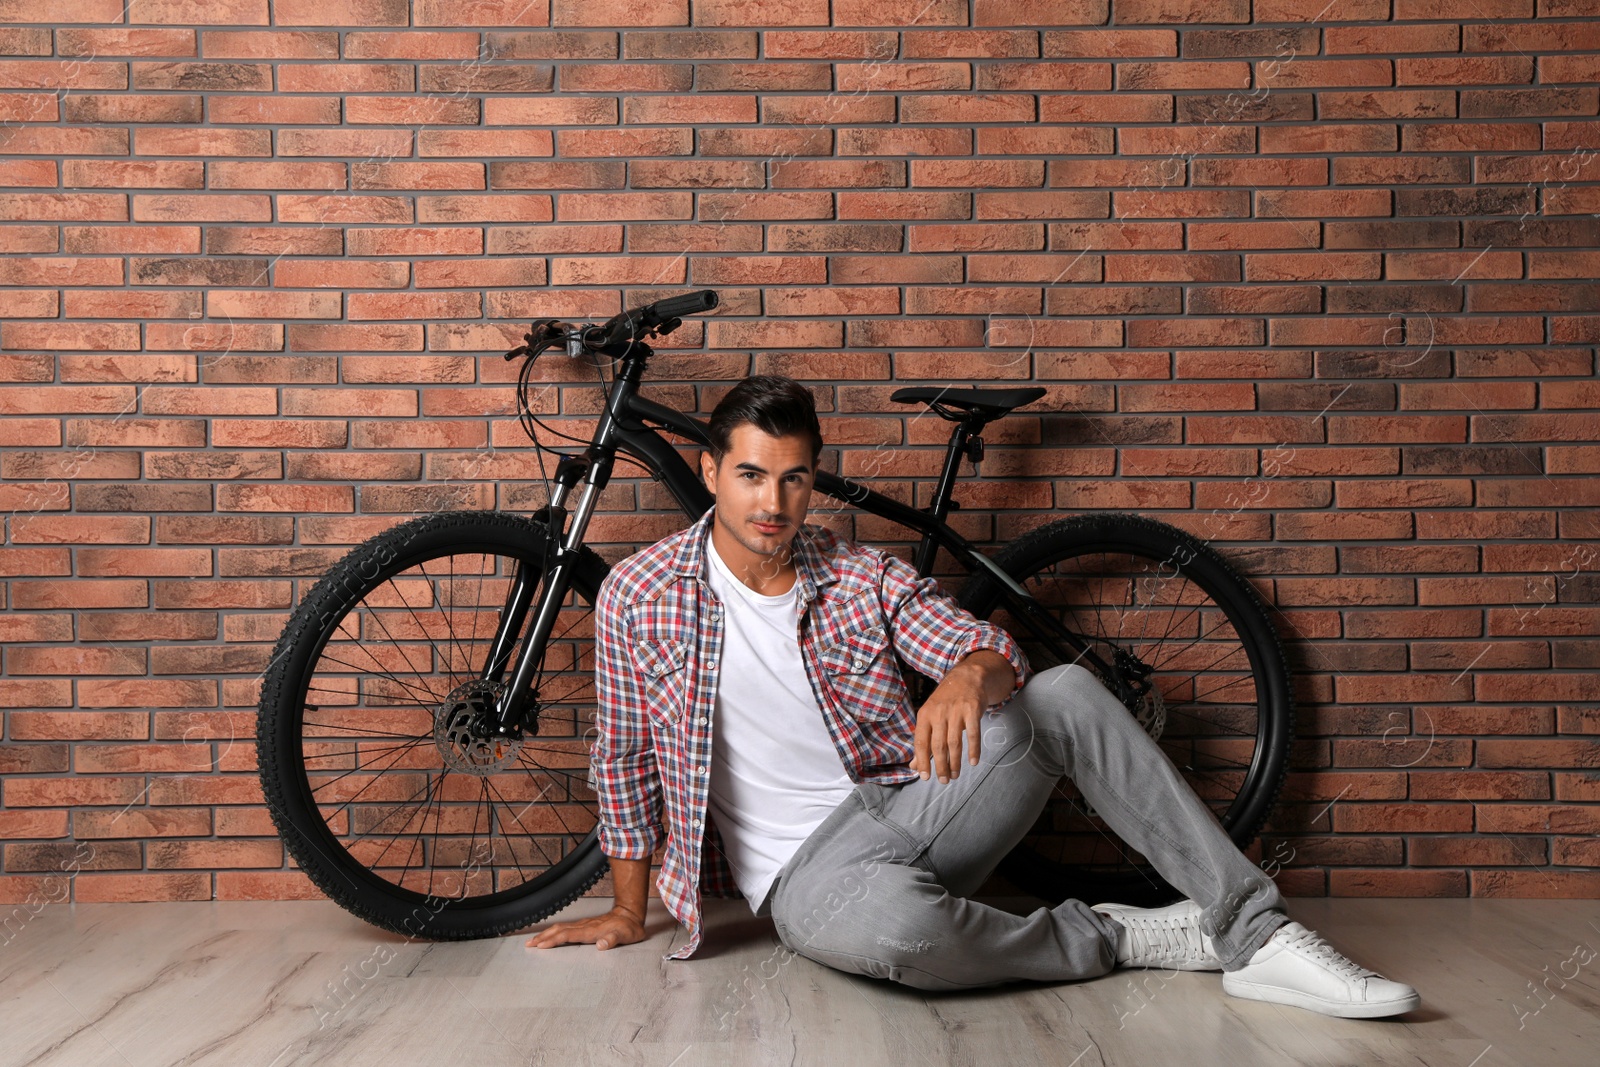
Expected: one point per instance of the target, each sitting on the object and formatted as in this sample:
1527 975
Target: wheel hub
459 731
1152 713
1146 703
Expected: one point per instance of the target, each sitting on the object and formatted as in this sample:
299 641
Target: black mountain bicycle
425 724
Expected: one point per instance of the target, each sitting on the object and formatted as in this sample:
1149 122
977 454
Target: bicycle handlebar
629 326
633 325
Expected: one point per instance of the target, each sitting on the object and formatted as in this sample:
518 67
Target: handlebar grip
687 304
632 325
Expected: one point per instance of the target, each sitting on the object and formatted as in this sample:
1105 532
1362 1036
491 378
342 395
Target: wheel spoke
404 789
1208 702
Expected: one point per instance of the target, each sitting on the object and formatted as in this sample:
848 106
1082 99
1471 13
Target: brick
198 271
29 304
1136 11
476 273
1367 170
272 241
1410 104
118 41
1047 76
119 108
1052 269
378 144
330 210
200 141
213 465
143 498
933 205
1511 103
16 107
437 240
383 44
131 239
1187 74
533 111
578 207
71 336
829 44
516 143
270 44
257 175
57 74
969 107
410 110
480 13
141 823
986 175
1472 70
202 76
68 400
767 75
341 13
829 110
132 175
63 140
1384 39
78 207
127 888
202 208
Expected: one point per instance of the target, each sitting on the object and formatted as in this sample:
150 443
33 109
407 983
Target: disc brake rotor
453 731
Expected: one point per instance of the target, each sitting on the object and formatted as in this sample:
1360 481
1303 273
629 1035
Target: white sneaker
1169 937
1296 966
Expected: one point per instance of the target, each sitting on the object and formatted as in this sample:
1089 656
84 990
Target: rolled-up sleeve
626 778
932 632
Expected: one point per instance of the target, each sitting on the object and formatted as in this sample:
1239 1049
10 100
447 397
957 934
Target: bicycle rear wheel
1165 609
382 790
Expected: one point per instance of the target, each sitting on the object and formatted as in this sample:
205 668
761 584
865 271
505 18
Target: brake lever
543 333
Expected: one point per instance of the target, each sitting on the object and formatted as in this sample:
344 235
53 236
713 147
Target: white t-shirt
775 774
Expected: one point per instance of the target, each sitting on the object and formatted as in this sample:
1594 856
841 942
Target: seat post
942 492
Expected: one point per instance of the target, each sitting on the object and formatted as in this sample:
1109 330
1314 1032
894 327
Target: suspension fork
593 470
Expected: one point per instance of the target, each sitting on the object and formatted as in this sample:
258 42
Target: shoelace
1313 945
1163 938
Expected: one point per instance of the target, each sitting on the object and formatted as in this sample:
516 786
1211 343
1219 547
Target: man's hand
616 927
622 925
981 678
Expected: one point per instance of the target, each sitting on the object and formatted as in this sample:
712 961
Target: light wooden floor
151 985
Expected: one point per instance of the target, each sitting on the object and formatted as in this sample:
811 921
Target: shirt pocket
862 672
666 679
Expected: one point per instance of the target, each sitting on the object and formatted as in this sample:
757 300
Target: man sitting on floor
819 776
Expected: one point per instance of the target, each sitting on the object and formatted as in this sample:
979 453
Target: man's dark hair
773 403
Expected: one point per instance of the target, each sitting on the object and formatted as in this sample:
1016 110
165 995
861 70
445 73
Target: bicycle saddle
988 403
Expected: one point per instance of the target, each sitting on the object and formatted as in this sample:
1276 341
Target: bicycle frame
623 426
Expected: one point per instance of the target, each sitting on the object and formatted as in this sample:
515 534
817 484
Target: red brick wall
1312 278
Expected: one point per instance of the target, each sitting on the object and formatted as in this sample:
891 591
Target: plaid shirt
658 639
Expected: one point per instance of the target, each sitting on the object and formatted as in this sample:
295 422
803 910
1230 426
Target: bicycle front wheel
383 790
1166 613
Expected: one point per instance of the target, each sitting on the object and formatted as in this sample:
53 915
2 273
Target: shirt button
711 666
700 769
695 823
701 720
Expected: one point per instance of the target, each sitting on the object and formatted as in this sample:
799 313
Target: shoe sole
1338 1008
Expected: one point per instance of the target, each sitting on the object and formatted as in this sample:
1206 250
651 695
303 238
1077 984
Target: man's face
762 486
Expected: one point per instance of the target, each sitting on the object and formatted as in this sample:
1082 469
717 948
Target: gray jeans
880 887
